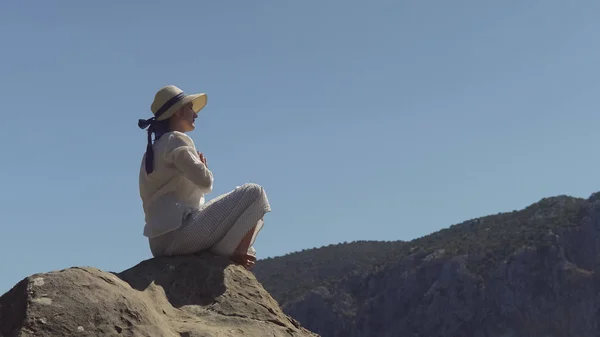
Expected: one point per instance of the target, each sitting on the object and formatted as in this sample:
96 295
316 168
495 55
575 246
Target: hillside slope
523 273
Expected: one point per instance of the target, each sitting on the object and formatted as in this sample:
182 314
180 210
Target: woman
173 180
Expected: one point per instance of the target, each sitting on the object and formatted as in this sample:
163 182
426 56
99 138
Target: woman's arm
186 159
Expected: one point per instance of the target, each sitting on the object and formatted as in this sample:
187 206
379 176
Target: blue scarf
150 123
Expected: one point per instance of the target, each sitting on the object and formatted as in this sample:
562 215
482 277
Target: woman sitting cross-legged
173 179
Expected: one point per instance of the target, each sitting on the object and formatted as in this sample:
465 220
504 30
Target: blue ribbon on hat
150 122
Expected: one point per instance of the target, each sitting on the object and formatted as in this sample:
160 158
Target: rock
185 296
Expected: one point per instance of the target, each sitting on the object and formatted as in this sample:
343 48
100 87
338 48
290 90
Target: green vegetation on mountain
291 275
488 240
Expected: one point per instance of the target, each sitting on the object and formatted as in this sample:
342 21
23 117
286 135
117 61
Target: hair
161 127
158 128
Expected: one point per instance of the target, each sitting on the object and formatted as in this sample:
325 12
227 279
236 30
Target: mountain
532 272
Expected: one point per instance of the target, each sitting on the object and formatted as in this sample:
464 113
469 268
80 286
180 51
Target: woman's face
186 118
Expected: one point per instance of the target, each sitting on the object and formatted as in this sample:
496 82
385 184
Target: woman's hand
202 158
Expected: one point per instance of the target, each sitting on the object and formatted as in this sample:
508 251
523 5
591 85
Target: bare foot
246 260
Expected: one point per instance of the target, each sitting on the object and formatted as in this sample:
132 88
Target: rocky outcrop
537 292
182 296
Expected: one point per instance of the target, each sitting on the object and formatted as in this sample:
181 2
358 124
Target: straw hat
170 98
167 101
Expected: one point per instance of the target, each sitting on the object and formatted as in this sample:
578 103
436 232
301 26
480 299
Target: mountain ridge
561 228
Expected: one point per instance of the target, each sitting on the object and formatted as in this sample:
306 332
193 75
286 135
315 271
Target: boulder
185 296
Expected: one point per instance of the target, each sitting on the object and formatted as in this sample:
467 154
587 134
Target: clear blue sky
379 120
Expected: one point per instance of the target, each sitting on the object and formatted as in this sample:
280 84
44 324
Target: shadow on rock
186 280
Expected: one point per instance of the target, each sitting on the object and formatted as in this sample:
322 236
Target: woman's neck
177 127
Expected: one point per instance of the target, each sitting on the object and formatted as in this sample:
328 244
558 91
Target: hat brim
198 103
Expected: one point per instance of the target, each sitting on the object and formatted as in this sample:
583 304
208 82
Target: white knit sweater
177 184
